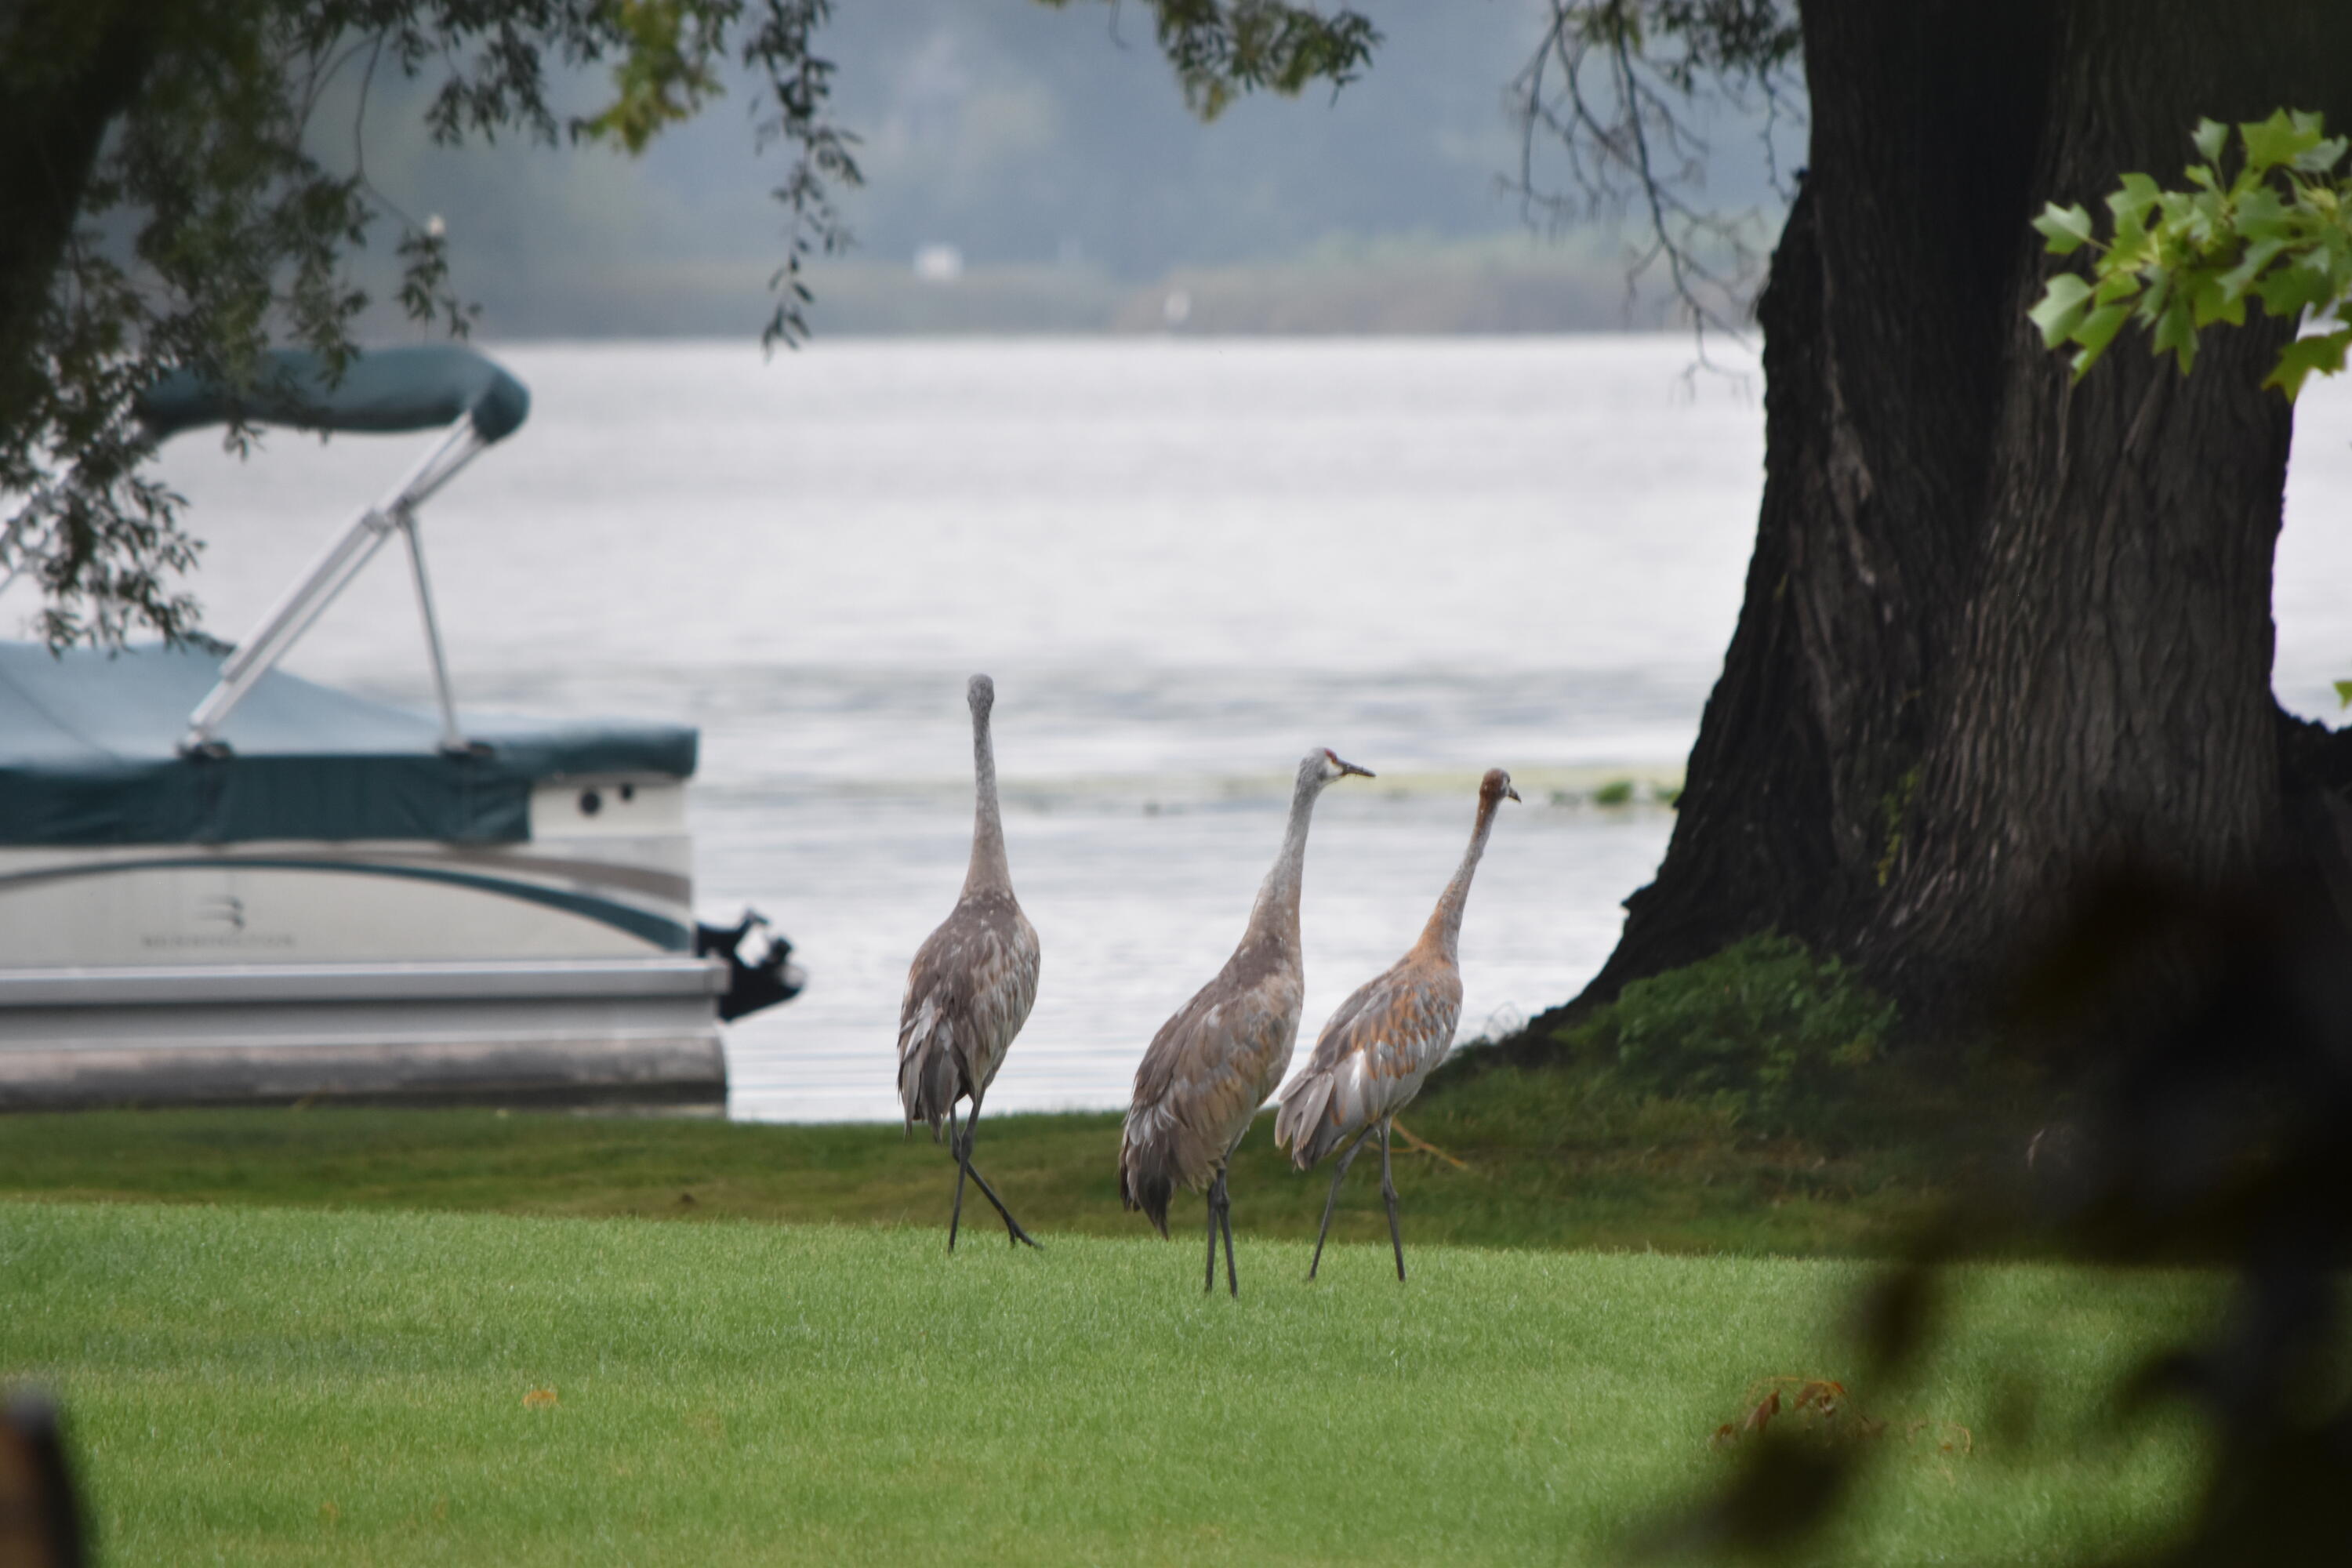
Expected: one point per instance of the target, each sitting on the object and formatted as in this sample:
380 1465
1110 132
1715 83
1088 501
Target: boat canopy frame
473 401
299 607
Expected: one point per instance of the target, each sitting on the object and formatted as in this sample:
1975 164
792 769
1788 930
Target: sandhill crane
1211 1066
971 985
1372 1056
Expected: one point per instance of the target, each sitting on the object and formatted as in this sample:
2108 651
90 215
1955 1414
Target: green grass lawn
271 1385
1545 1161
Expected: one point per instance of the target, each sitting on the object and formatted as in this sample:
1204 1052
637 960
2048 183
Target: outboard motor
751 983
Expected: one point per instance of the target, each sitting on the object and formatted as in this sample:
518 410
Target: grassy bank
269 1386
1529 1160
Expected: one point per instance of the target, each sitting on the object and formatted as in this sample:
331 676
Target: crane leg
1225 1221
1388 1192
1014 1235
1210 1207
962 1147
1220 1213
1332 1201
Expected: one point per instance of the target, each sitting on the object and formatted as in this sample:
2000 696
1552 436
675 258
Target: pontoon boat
220 882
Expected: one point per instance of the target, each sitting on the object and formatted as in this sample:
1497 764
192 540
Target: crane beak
1348 767
1509 793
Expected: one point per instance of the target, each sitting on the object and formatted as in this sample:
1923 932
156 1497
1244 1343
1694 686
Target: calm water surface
1186 564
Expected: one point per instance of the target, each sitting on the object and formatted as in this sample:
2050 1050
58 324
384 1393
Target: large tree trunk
66 71
1998 628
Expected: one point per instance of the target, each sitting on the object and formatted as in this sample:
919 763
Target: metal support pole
452 738
301 604
294 616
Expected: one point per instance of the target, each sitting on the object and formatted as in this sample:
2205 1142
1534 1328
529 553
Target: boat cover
421 388
88 755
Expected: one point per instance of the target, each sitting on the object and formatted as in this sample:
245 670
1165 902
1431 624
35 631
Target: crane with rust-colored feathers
1211 1066
1383 1041
971 986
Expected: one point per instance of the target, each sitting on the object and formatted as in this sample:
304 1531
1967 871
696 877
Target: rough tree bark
1997 630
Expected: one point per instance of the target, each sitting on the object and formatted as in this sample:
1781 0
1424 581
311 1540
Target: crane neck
1275 913
990 872
1443 931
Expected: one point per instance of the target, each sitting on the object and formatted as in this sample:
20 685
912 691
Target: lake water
1186 564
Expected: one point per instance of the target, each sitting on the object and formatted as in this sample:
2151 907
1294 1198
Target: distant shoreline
1505 286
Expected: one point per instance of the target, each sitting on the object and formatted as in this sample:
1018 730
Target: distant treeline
1516 285
1051 151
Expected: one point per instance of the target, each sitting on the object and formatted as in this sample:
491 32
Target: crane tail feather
1301 1126
1148 1170
927 1073
1150 1192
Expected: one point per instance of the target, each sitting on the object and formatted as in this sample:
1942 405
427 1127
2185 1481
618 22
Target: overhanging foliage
173 199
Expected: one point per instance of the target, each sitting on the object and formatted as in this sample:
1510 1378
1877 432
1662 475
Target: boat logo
222 910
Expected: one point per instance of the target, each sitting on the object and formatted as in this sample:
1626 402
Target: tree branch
1610 89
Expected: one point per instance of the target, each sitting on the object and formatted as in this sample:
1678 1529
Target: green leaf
2240 277
2210 302
2174 211
664 78
2096 332
2130 204
2063 305
2280 139
2175 332
2117 284
2279 230
2324 155
2067 229
2322 352
2289 290
2262 216
2343 690
2209 220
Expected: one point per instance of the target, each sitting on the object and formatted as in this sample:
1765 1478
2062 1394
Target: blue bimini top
419 388
89 755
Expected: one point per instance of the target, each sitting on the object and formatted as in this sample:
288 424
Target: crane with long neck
1443 934
1215 1060
1371 1057
971 985
988 873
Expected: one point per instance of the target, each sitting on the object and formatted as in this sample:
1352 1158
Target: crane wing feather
1371 1059
967 992
1208 1070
